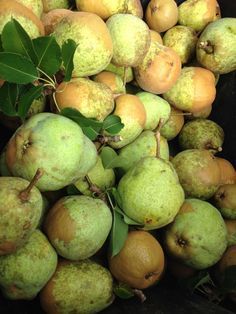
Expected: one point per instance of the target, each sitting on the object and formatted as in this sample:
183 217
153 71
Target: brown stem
95 189
25 194
108 139
212 147
206 45
158 137
140 295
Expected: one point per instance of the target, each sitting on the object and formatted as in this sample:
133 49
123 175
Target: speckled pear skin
129 47
174 124
35 6
49 5
145 145
156 108
77 226
150 193
225 200
183 40
89 31
98 175
198 235
24 273
78 287
198 172
221 36
120 70
201 133
51 142
18 218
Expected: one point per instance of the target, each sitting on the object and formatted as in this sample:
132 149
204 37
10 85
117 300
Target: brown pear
227 171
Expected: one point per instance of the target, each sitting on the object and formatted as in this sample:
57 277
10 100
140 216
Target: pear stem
95 189
25 194
140 295
158 137
108 139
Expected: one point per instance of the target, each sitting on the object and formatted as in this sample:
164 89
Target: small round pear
129 47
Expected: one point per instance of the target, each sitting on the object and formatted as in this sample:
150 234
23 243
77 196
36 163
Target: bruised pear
28 20
150 193
157 109
143 146
87 30
198 172
197 13
51 142
159 70
112 80
92 99
24 273
21 207
49 5
173 125
217 45
193 91
78 287
201 133
198 235
129 47
77 226
225 200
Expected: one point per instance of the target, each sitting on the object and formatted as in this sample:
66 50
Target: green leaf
48 53
68 51
27 98
15 68
8 98
118 234
72 190
123 291
15 39
229 281
110 159
90 132
112 124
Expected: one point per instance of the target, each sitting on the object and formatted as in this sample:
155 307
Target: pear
193 91
155 36
134 7
129 47
112 80
78 287
145 145
227 171
35 6
92 99
159 69
225 200
99 176
201 133
217 45
49 5
173 125
198 235
28 20
51 18
133 115
21 207
198 172
24 273
183 40
150 193
204 114
51 142
156 108
77 226
87 30
197 13
123 72
231 229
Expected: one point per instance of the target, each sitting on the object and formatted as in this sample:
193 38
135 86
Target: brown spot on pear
51 18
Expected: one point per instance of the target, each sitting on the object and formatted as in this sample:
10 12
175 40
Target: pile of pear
157 70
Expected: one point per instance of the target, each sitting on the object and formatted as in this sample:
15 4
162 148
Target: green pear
145 145
173 125
198 171
197 13
129 47
201 133
77 226
35 6
51 142
156 108
183 40
4 171
225 200
49 5
21 207
150 193
217 45
98 175
123 72
198 235
78 287
24 273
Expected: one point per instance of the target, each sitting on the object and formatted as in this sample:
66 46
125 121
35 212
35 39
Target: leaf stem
49 78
